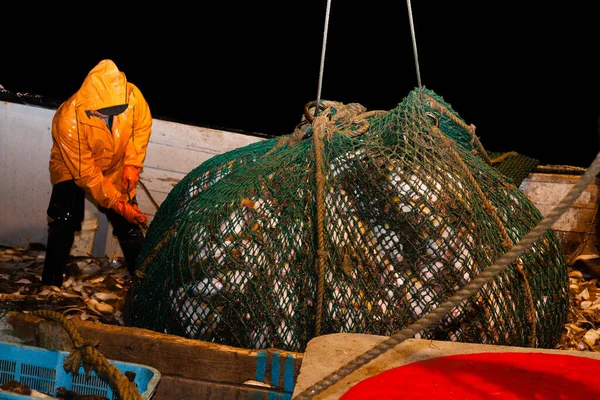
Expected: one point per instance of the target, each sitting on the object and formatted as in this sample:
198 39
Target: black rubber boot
65 211
57 254
131 246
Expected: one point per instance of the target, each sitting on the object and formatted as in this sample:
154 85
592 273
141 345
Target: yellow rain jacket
84 149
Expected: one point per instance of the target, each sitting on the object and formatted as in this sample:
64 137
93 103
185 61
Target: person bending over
99 140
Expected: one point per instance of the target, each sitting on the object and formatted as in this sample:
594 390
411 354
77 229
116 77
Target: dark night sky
527 78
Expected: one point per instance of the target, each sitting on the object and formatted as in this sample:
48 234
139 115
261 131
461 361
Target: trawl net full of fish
411 214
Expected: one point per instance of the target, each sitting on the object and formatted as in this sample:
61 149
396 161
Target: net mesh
412 213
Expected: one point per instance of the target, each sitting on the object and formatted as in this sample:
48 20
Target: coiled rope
85 352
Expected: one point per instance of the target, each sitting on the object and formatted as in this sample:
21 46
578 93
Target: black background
524 73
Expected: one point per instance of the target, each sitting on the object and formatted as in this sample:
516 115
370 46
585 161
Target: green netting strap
470 129
513 165
507 242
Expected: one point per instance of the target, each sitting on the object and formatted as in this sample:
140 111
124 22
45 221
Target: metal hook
436 121
310 118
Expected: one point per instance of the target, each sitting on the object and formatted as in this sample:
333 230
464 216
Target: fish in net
358 221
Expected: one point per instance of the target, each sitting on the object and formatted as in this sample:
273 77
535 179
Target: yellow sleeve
73 145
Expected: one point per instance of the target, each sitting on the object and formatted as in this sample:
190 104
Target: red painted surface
485 376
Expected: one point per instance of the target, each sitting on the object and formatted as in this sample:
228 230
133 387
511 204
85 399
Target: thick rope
288 140
320 129
503 157
85 352
320 180
530 304
141 271
469 290
348 120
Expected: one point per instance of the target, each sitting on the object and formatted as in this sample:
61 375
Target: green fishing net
357 221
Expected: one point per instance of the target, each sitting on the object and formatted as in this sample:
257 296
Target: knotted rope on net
85 354
358 221
349 120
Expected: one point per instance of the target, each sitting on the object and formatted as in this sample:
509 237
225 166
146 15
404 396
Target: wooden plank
198 138
328 353
552 178
544 193
170 354
146 205
19 328
175 159
573 220
25 143
159 180
557 178
570 242
177 388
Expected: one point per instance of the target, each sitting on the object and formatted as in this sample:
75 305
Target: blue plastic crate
43 370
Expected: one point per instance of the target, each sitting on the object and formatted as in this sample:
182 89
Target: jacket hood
104 86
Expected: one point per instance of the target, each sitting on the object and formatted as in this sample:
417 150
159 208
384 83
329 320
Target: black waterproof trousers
65 213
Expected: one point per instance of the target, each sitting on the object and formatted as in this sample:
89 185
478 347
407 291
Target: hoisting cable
461 295
322 66
321 254
414 42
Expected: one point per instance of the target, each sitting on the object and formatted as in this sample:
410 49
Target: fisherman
99 136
